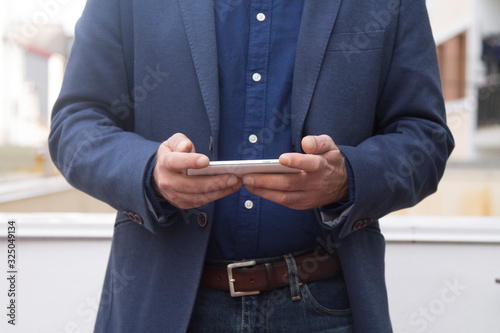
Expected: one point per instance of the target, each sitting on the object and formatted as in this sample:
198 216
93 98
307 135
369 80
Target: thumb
180 143
317 145
185 146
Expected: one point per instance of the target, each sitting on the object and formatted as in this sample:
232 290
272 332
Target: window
452 57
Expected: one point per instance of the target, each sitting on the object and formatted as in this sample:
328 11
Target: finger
179 162
188 201
306 162
276 182
184 200
179 143
201 184
312 144
294 200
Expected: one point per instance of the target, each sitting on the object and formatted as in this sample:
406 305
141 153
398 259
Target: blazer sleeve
92 140
404 160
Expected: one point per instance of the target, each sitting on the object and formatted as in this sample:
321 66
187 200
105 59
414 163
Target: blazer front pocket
356 41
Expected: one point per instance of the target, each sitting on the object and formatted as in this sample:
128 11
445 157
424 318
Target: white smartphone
242 167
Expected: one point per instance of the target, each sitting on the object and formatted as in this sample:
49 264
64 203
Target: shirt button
261 17
248 204
253 138
256 77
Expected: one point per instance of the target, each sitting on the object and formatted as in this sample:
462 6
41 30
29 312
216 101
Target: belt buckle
232 280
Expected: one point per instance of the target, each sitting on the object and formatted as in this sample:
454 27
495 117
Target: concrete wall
61 260
440 272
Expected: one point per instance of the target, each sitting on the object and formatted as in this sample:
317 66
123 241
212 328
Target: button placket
254 118
256 83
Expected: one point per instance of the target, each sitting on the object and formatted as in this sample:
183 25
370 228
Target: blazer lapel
199 21
317 23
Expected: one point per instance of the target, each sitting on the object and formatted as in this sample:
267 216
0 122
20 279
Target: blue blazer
141 70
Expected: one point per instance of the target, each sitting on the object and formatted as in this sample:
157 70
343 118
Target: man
346 91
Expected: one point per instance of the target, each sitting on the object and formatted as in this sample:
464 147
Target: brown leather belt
251 277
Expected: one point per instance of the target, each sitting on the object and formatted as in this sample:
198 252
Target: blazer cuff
334 214
161 211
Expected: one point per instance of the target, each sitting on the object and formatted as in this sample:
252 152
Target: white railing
439 229
428 229
32 187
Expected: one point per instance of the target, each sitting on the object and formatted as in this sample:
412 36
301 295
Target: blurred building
466 34
33 70
35 38
36 41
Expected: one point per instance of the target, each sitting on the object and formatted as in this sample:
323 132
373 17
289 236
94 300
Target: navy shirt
256 44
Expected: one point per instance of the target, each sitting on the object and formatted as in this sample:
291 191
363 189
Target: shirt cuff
335 213
160 210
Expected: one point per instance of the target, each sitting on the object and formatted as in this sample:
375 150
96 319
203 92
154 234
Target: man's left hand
323 179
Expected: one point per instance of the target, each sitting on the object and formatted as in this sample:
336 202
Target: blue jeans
320 306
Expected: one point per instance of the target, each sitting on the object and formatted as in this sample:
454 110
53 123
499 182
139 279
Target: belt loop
271 284
293 277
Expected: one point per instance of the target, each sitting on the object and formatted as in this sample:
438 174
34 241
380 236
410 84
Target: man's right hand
170 181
